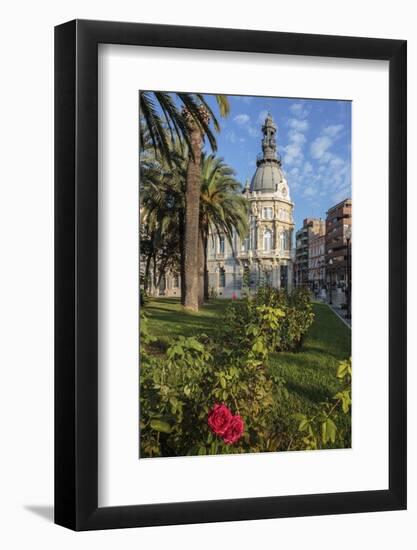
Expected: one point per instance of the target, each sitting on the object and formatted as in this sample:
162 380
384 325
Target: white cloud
308 168
319 146
299 110
298 125
293 154
242 119
262 116
333 130
296 137
309 191
325 174
293 151
231 136
253 131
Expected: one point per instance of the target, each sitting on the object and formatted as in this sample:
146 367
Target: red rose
219 418
234 431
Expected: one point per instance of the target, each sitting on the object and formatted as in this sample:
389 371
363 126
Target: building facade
312 227
338 231
317 262
264 257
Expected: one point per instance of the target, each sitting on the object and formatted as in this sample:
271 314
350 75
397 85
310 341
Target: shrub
299 317
295 311
321 430
179 391
227 375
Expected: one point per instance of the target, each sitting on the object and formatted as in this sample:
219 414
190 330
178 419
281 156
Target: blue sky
314 141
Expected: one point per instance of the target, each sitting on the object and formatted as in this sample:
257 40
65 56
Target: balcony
260 158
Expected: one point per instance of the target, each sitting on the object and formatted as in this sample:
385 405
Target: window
287 243
268 213
267 240
176 281
282 241
245 244
222 277
253 243
221 244
237 282
267 278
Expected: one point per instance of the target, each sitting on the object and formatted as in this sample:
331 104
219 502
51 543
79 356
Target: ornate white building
265 256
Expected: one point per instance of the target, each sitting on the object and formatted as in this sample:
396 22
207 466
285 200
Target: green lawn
168 319
310 374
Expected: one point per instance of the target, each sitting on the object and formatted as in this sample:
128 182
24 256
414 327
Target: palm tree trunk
201 269
192 211
154 286
182 259
147 272
206 275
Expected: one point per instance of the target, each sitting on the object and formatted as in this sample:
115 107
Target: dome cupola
268 173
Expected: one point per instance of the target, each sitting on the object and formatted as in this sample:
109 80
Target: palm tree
222 208
162 215
169 117
192 247
189 125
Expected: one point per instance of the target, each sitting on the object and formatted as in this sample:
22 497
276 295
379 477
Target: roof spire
269 144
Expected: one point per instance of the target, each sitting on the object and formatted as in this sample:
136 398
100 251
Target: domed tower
268 254
268 177
264 257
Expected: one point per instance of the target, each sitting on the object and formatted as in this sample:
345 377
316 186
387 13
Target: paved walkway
341 313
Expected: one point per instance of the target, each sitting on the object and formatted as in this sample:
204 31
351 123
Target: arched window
287 240
267 240
282 241
221 244
222 277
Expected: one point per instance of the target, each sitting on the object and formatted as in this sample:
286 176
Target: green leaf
344 396
303 426
324 436
160 426
331 429
328 431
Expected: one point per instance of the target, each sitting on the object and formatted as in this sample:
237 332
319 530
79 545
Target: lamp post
348 235
331 280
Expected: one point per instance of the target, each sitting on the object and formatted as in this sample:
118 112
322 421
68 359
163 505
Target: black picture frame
76 272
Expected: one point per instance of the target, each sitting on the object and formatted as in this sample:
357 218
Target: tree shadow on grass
315 394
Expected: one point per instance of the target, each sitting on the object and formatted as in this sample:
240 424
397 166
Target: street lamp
348 235
331 280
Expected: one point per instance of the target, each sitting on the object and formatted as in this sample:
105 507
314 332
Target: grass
168 319
310 374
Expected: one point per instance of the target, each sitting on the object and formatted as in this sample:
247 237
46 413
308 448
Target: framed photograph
230 329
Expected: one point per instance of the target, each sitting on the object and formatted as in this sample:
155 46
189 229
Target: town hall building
264 257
